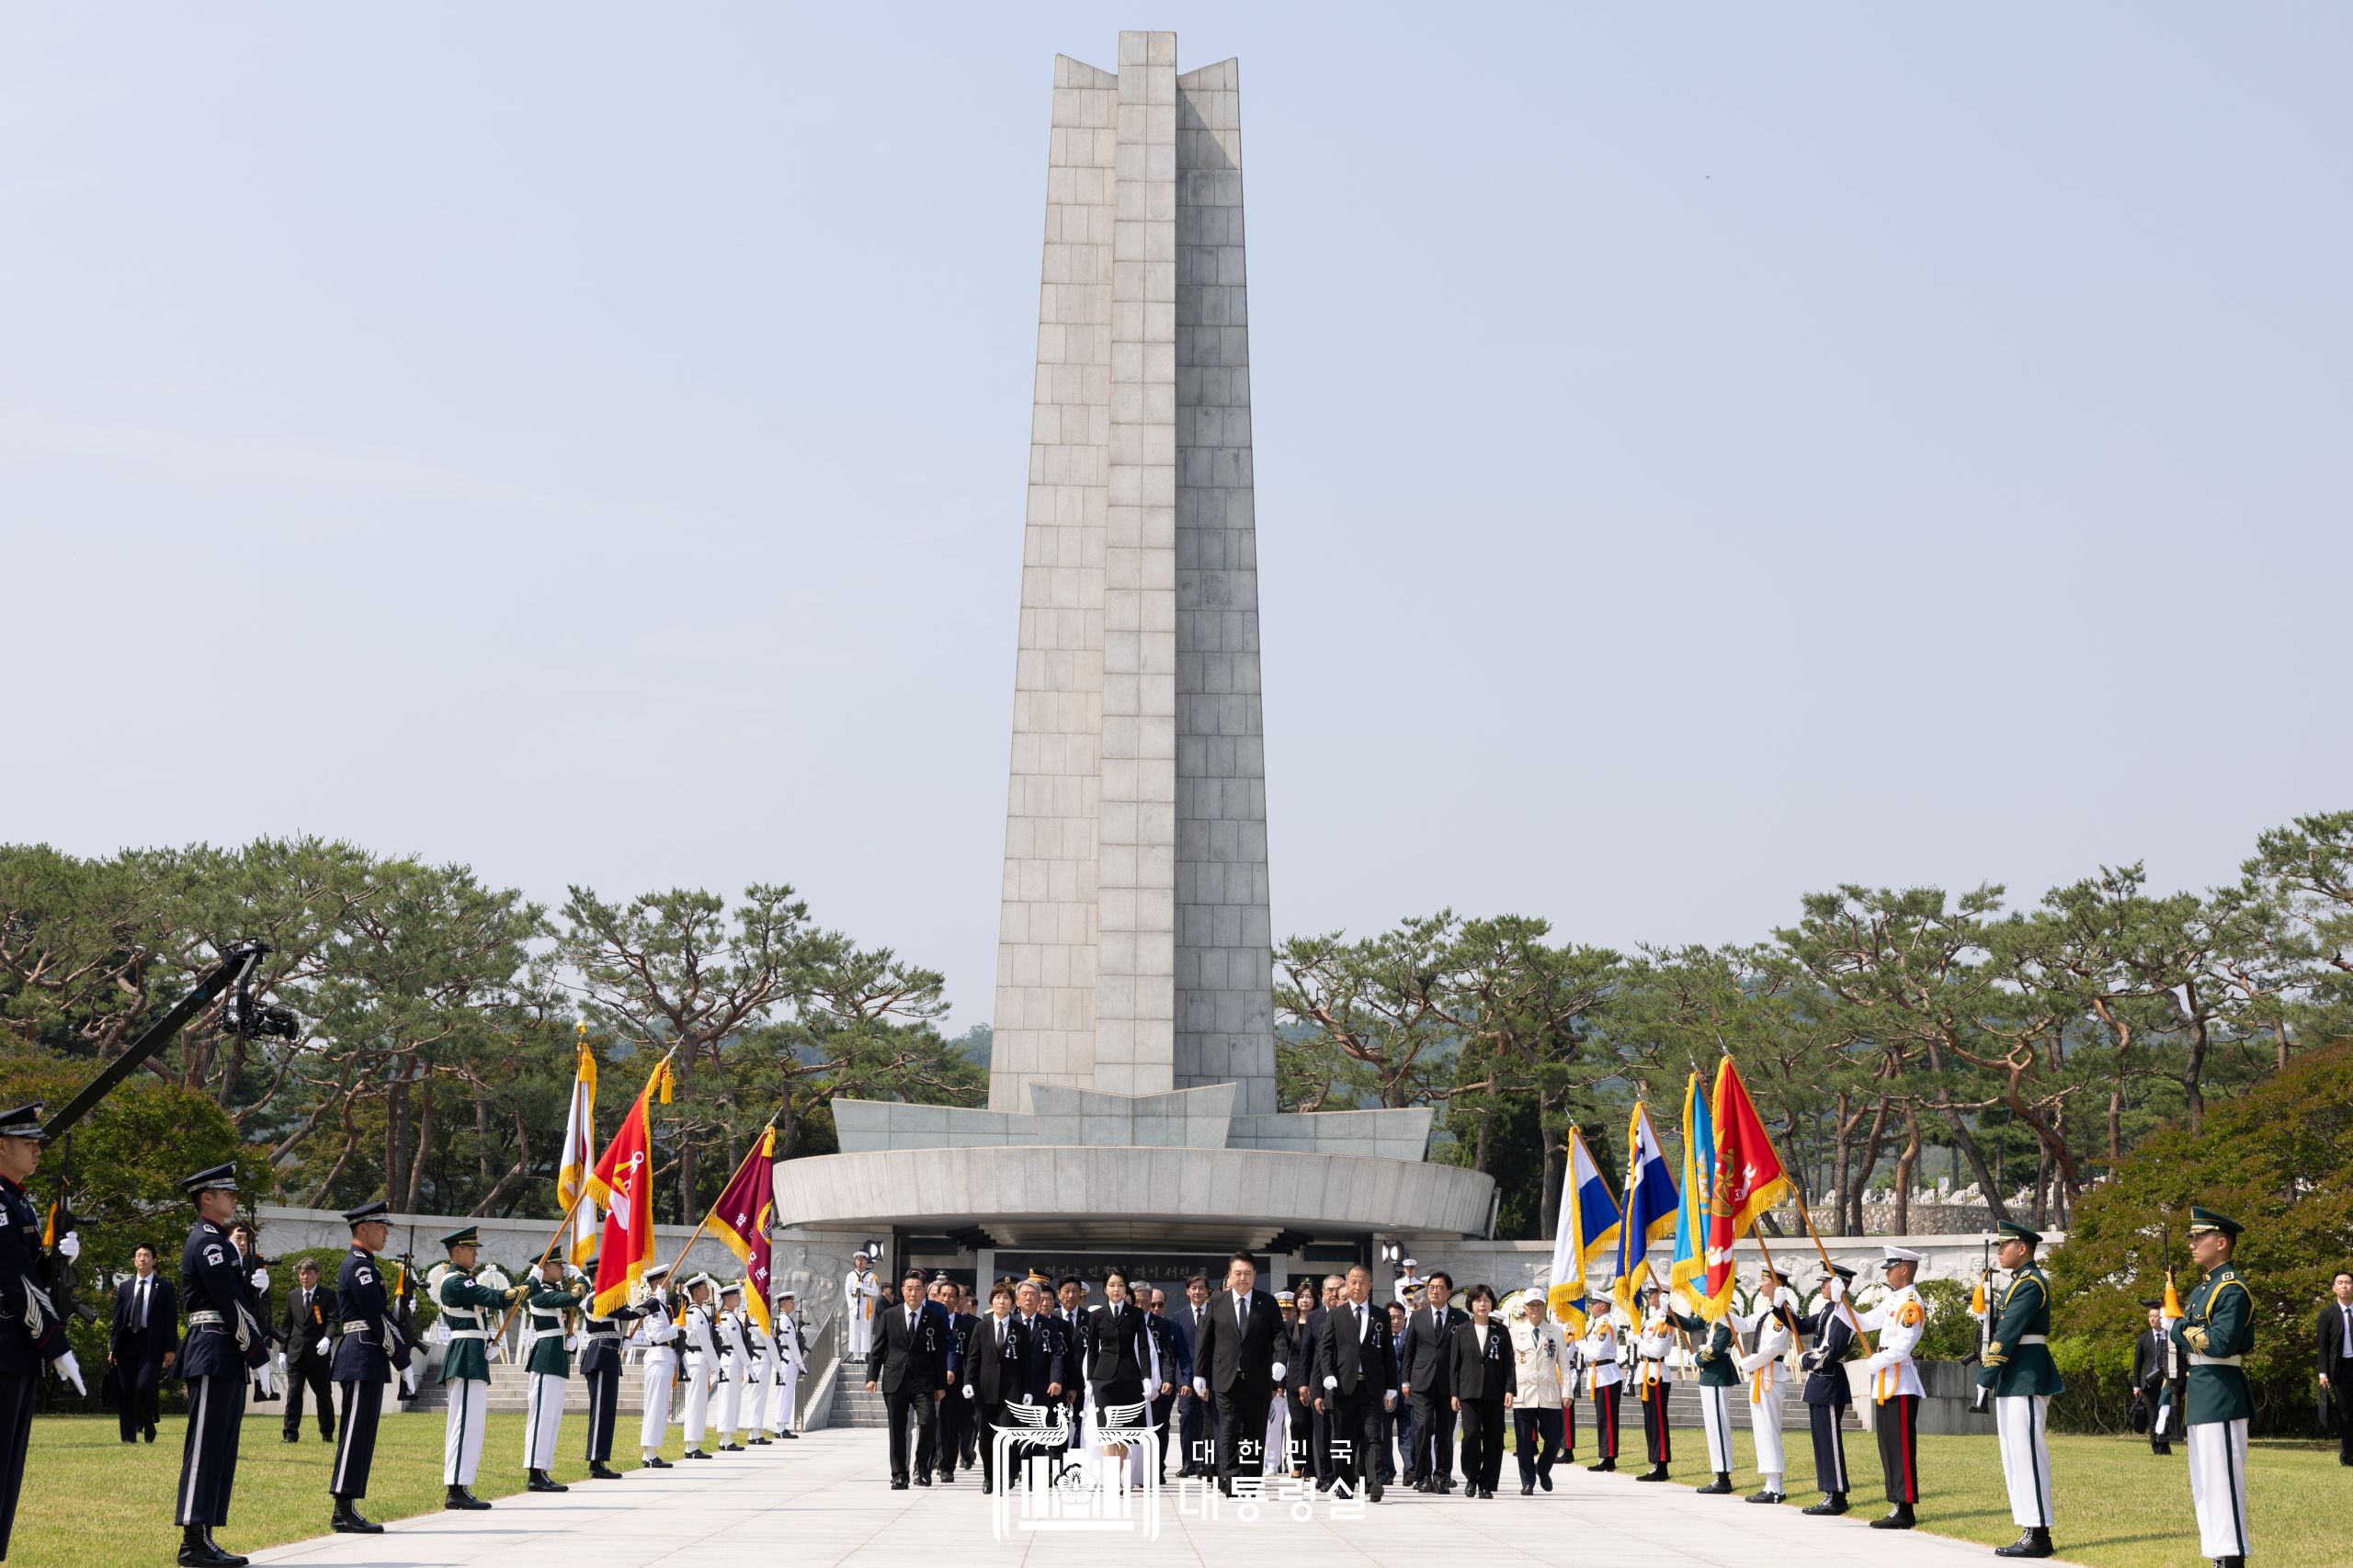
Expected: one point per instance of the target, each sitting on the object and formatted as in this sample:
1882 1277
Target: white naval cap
1893 1253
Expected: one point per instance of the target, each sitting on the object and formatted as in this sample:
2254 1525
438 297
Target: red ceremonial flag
741 1218
1748 1180
623 1182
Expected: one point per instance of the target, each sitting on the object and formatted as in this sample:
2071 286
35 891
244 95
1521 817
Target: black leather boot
463 1501
222 1555
195 1551
541 1480
350 1522
1832 1503
600 1470
1898 1518
2036 1542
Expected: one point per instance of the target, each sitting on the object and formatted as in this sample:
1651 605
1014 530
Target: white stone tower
1133 951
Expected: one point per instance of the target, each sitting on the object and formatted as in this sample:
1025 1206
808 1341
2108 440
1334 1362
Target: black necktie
141 1316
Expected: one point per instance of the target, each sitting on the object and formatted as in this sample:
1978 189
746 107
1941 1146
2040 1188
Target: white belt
469 1334
2034 1339
2198 1360
359 1327
535 1336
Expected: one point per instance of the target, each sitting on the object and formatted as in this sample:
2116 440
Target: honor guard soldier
1603 1380
600 1368
1652 1380
1774 1324
368 1346
762 1391
661 1366
2018 1369
547 1360
734 1364
702 1359
225 1343
788 1363
1827 1395
859 1288
1713 1351
466 1300
30 1333
2217 1327
1899 1319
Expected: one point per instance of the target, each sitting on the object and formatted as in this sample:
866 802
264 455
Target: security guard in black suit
1830 1331
913 1341
29 1329
308 1332
225 1341
368 1346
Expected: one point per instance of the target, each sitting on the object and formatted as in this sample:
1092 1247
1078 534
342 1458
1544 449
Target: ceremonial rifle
1981 1305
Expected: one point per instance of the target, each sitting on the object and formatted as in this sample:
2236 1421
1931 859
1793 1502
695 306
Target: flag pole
1823 1253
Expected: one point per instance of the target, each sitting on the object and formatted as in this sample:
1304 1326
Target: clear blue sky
1704 453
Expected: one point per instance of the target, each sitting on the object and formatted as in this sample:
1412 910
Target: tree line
2032 1047
437 1048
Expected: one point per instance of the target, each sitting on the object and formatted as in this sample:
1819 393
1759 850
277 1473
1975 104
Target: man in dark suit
1233 1365
2158 1369
2336 1359
1070 1313
1315 1433
308 1332
960 1325
1355 1378
1193 1424
141 1343
913 1378
1175 1372
1426 1375
988 1360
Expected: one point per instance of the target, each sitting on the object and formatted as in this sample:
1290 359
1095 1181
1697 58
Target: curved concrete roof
1052 1193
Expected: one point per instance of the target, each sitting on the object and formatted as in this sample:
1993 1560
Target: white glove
1837 1289
968 1391
1389 1399
571 1342
262 1376
261 1278
1330 1381
1201 1387
408 1375
1279 1372
70 1370
280 1362
68 1246
322 1347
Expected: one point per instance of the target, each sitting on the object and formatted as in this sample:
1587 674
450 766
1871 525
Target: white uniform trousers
788 1384
542 1417
461 1435
1764 1425
2025 1457
731 1398
862 1326
2218 1486
661 1366
1715 1420
698 1416
756 1397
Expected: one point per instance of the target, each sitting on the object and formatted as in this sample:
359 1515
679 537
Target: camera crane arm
234 969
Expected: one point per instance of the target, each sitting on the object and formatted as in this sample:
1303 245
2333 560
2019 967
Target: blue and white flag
1652 1203
1588 1225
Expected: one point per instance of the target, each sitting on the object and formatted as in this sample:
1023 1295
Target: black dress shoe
1766 1497
1656 1472
730 1448
599 1471
656 1462
1604 1465
787 1434
923 1480
1373 1494
899 1485
221 1556
2167 1448
465 1502
1897 1519
1527 1489
150 1434
1719 1487
758 1443
694 1454
2036 1542
1544 1479
350 1522
541 1480
282 1436
1836 1503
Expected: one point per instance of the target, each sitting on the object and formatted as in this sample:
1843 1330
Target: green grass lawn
91 1502
2118 1505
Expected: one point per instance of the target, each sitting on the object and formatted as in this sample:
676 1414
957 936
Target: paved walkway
825 1499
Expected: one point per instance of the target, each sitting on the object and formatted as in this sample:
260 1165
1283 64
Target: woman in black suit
1483 1381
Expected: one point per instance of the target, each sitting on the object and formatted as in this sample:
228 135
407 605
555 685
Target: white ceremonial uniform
1891 1369
1768 1383
858 1290
735 1367
788 1375
702 1367
762 1375
662 1340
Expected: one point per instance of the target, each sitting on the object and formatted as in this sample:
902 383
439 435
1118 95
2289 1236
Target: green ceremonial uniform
543 1312
2217 1321
465 1307
1713 1350
2018 1361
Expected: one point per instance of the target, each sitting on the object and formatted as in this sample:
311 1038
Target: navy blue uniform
224 1340
1832 1330
29 1335
367 1349
600 1367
